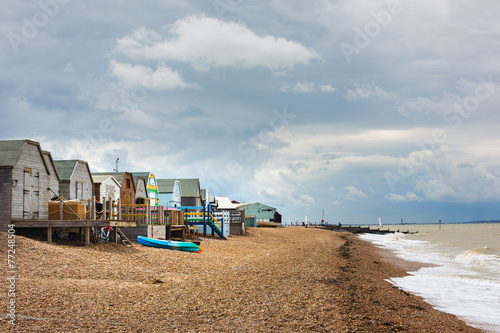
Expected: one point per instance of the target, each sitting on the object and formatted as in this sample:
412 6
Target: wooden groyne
365 230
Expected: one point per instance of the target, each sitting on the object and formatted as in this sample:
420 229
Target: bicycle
103 235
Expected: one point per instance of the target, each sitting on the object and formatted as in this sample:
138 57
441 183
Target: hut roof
10 151
190 187
166 185
119 176
65 168
51 160
224 203
99 179
141 175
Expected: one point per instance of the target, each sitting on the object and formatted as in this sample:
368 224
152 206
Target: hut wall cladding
53 180
140 191
64 189
127 192
5 198
31 158
82 176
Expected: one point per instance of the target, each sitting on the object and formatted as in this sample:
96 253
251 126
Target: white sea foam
465 280
481 258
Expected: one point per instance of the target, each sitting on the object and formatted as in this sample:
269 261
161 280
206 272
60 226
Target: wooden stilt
61 211
49 234
87 236
168 231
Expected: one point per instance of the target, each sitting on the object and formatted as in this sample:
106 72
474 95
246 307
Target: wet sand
270 280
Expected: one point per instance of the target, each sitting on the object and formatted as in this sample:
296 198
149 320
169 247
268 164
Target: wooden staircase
124 238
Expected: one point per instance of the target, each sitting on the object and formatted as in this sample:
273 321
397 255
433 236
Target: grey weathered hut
75 179
141 194
191 192
54 175
24 179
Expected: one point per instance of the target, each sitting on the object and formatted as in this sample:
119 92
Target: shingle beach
292 279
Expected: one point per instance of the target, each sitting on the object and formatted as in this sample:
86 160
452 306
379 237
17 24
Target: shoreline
288 279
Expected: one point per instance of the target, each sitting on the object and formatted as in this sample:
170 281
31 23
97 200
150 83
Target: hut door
31 194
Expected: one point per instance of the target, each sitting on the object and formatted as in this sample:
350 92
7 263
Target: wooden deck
87 224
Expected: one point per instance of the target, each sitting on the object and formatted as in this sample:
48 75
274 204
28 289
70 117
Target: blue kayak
168 244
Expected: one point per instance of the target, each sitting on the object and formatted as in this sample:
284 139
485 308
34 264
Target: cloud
130 76
365 91
354 194
307 87
208 43
445 175
410 196
327 88
69 68
470 97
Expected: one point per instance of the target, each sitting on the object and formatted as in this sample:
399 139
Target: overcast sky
365 109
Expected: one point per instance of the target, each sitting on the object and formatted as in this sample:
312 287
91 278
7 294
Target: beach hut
151 187
205 196
226 211
169 193
224 204
141 194
106 188
127 185
75 179
54 175
191 192
24 179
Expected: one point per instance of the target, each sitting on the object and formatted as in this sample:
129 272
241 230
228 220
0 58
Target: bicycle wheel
99 236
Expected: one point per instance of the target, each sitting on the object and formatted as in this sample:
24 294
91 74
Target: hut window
128 183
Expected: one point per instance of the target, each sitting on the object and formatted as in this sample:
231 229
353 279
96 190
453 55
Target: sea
463 275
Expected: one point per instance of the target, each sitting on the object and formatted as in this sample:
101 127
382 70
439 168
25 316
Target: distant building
255 212
169 193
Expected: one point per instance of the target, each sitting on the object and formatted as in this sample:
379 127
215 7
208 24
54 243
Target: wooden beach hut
141 194
24 179
169 193
205 196
191 192
75 179
106 188
54 178
151 186
126 182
